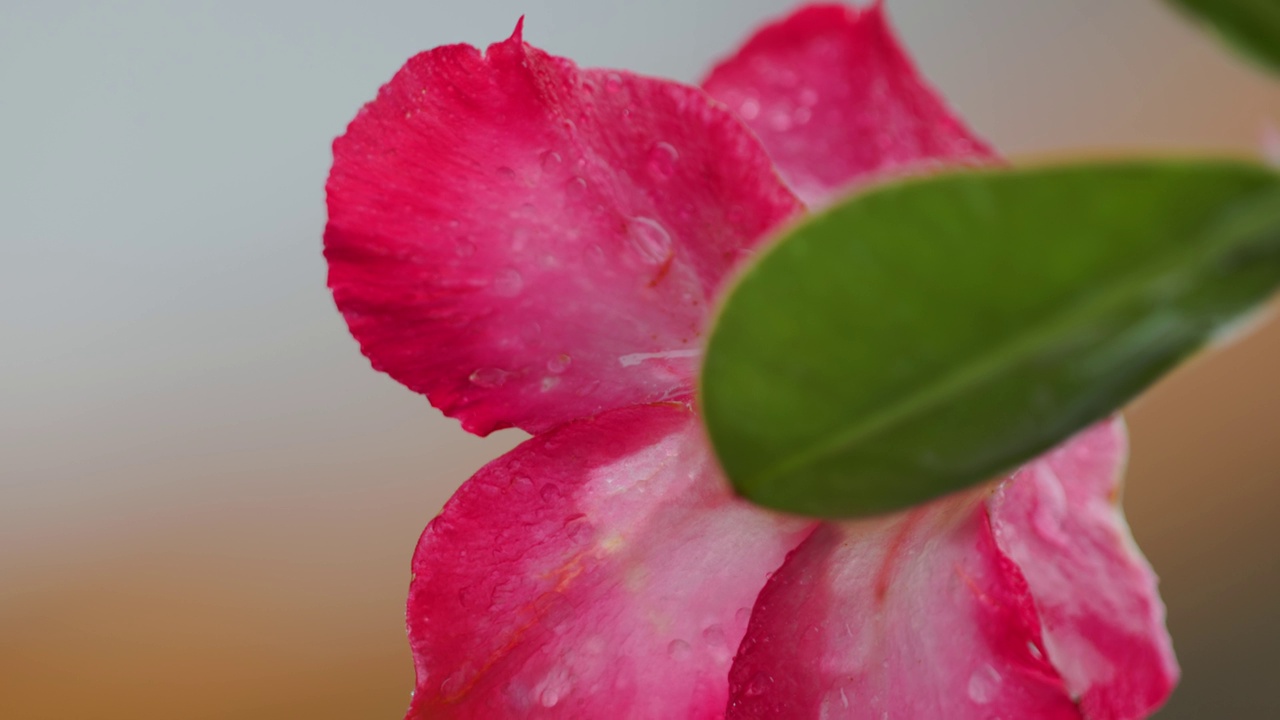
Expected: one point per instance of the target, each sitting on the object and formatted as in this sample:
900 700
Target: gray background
207 499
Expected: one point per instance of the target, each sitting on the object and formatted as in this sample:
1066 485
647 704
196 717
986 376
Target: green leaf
1251 25
934 333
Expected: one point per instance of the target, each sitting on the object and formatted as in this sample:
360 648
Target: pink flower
536 245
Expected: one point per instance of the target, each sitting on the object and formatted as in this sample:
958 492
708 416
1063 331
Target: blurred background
208 500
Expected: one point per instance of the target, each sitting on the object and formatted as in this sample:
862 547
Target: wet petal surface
971 608
835 99
528 243
600 570
1102 616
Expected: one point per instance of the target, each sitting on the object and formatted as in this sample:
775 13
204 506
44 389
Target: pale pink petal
915 617
1023 601
528 243
835 98
601 570
1103 621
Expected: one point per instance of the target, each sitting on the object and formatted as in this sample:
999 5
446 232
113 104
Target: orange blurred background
208 500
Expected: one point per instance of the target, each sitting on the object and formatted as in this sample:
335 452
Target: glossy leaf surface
932 334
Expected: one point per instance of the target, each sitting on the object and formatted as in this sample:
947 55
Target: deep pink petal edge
1029 601
601 570
836 100
527 242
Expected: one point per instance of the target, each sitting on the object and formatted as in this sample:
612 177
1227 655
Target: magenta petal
1028 601
1102 617
916 617
529 243
601 570
834 97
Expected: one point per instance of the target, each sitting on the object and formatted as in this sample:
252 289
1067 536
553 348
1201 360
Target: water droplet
489 377
549 697
679 650
456 684
650 240
613 82
984 685
595 254
714 636
549 383
508 283
506 172
780 121
464 248
662 160
579 528
551 492
559 363
551 162
749 109
575 191
519 239
757 686
522 483
808 97
802 116
742 617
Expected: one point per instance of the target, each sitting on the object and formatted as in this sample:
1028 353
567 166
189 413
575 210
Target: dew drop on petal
508 283
549 698
613 82
662 160
679 650
742 617
488 377
757 686
551 162
749 109
984 685
456 684
559 363
781 121
464 248
549 383
506 172
650 240
575 191
551 492
715 637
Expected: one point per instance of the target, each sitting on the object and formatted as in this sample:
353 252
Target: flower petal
986 604
834 97
1102 617
529 243
914 617
600 570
